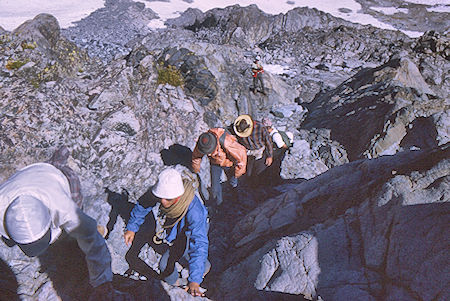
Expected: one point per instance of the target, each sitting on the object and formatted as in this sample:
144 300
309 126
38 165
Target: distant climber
223 152
36 205
256 139
282 141
181 223
257 73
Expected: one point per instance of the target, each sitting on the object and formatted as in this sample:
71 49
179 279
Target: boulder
43 29
395 90
356 241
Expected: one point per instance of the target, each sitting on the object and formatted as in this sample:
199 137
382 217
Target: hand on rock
129 237
194 289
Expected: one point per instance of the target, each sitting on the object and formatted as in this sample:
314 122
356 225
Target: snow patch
390 10
276 69
14 12
439 9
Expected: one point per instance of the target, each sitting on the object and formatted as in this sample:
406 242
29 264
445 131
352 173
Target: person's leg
259 166
249 170
184 260
260 78
272 173
250 165
170 257
132 256
255 78
216 187
167 268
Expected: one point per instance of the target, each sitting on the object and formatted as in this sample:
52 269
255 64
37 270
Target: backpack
286 139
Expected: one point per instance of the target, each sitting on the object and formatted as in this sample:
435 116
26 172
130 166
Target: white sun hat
169 185
27 219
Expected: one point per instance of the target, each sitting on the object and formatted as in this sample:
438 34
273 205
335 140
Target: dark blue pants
178 252
216 187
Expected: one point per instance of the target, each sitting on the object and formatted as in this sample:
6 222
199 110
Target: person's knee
130 256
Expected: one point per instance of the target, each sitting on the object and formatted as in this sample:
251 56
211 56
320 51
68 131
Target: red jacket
234 154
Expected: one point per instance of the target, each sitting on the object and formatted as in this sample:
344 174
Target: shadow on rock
276 296
397 240
144 236
119 207
65 265
177 154
148 290
8 283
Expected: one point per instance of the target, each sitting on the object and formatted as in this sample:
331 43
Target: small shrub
13 65
35 83
125 128
26 45
4 38
170 75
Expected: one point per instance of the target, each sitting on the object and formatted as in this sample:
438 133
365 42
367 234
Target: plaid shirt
59 160
259 137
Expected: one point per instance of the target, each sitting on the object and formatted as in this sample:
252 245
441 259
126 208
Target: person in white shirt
279 150
36 205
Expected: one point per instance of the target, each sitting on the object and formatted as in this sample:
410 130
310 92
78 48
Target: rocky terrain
362 207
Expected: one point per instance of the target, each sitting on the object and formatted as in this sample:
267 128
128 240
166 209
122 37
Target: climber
36 205
223 152
256 139
181 223
257 73
282 141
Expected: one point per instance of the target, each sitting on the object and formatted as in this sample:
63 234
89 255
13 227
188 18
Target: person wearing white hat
183 225
36 206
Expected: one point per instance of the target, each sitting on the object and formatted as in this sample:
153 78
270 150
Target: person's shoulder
196 208
196 202
41 166
257 123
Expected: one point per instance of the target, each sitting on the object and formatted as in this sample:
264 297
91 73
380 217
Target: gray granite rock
337 227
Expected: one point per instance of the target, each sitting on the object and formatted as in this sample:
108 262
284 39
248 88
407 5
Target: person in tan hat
224 152
253 135
181 223
36 206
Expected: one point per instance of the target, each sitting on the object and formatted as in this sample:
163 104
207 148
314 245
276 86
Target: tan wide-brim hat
247 132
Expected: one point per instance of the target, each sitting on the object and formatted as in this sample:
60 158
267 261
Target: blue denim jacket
194 223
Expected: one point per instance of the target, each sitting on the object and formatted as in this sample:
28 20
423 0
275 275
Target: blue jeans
216 187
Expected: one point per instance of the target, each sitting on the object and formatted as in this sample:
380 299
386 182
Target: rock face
386 101
199 81
106 32
366 231
363 201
